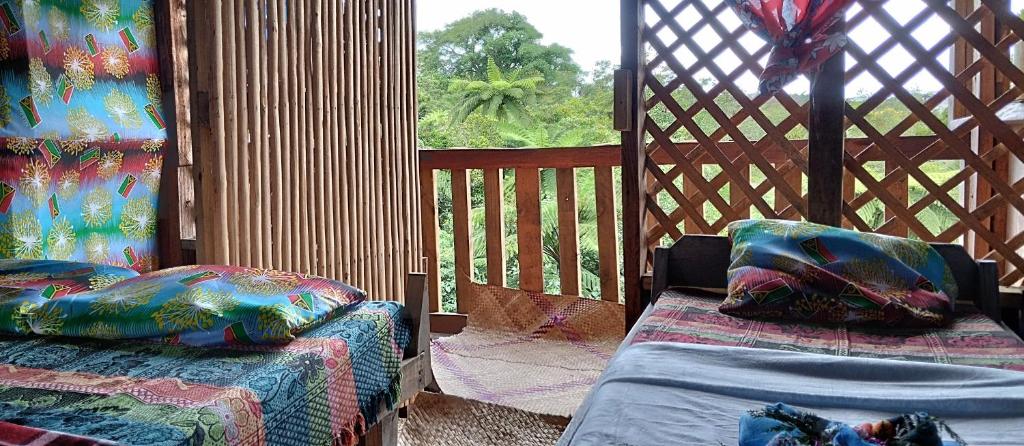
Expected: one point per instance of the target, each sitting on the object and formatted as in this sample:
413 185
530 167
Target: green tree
462 48
505 98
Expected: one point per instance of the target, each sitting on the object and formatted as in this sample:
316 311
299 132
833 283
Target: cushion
81 132
804 271
192 305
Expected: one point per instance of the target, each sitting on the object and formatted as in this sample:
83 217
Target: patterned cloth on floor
321 388
531 351
691 316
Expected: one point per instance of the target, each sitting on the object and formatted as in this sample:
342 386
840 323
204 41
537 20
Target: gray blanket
672 393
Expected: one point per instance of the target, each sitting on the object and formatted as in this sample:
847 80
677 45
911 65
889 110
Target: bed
327 386
685 373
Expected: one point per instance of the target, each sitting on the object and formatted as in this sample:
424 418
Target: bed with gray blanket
675 393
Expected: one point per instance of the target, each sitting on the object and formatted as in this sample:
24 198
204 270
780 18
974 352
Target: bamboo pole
310 162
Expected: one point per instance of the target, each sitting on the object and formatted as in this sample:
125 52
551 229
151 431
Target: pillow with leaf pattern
809 272
192 305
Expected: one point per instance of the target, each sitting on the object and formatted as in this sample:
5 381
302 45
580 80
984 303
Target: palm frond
493 72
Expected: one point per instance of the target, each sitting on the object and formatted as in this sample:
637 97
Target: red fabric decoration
801 32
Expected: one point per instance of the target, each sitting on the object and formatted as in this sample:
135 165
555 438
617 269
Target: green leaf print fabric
190 305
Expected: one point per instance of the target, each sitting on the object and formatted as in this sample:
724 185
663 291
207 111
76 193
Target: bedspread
692 317
666 393
319 389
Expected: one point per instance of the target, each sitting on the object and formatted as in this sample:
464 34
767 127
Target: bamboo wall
303 122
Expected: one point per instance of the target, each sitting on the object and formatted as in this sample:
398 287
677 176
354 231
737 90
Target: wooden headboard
701 261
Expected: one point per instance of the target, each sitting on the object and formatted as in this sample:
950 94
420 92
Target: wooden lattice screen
696 61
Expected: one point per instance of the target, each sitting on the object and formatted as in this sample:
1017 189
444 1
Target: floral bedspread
972 339
322 388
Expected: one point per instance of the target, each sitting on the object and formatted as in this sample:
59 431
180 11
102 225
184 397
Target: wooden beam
172 56
611 155
634 244
825 139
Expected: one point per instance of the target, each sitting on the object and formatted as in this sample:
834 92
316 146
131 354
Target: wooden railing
528 166
703 197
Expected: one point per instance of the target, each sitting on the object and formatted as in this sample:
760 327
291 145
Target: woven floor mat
529 351
436 419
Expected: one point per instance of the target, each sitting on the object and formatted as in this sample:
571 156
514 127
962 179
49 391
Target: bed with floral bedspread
322 388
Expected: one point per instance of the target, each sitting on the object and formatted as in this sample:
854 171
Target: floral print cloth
783 425
323 388
192 305
81 131
804 271
801 33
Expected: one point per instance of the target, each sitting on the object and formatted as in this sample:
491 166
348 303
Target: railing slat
568 230
531 264
428 216
494 220
607 247
462 231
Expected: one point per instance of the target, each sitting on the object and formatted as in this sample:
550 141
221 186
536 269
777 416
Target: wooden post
170 41
634 245
825 140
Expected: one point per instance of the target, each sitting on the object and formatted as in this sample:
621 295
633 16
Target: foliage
468 97
505 98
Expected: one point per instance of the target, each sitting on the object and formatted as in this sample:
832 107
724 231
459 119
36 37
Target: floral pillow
810 272
191 305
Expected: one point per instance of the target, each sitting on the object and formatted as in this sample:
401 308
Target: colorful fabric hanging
82 132
801 33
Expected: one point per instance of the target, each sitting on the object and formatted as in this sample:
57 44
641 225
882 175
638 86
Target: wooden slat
428 217
607 246
494 222
531 265
462 232
568 232
610 155
171 36
900 189
735 198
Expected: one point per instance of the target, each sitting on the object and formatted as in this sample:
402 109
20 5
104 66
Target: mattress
690 316
322 388
670 393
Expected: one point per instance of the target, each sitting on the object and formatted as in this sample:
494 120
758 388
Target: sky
591 29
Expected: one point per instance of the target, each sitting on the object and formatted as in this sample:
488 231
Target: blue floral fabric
323 388
782 425
82 131
804 271
192 305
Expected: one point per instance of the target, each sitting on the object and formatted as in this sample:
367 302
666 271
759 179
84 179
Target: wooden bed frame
701 261
415 369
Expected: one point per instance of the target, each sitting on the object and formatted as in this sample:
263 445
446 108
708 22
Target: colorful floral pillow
192 305
804 271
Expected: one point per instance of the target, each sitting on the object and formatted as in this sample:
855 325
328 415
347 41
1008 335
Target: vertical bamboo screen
691 91
304 120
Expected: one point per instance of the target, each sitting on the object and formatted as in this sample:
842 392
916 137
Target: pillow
36 281
809 272
63 277
192 305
